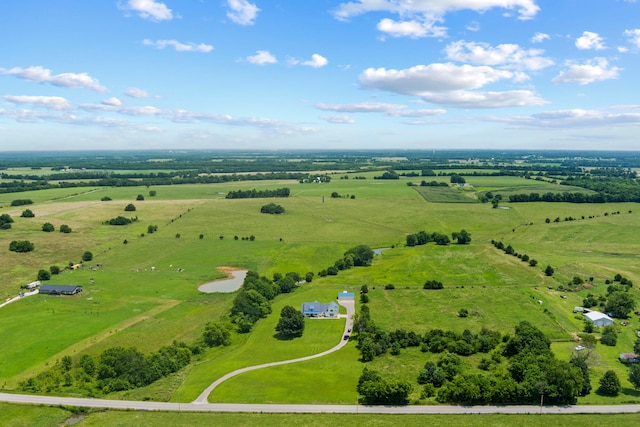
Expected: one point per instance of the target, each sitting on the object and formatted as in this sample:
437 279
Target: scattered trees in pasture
47 227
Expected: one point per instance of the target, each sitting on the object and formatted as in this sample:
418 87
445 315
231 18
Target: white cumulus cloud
340 120
135 92
178 46
242 12
148 9
48 102
418 17
262 57
597 69
113 101
508 55
634 37
590 41
540 37
316 61
43 75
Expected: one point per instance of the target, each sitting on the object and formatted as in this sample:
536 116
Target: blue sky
319 74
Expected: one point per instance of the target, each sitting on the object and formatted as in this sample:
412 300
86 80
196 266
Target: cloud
540 37
340 120
262 57
316 61
113 101
589 41
451 85
242 12
49 102
435 77
634 37
43 75
393 110
594 70
574 118
413 28
114 107
178 46
508 55
418 17
134 92
148 9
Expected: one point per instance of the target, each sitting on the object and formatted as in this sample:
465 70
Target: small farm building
344 295
318 309
599 319
60 289
629 358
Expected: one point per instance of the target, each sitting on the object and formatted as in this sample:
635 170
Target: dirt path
349 305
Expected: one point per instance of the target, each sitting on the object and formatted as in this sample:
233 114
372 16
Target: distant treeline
257 194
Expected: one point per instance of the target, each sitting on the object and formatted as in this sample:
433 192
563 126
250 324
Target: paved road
349 305
337 409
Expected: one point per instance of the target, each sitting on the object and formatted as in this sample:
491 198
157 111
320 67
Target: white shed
599 319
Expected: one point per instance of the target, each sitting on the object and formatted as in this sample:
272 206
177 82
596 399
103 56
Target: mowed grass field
145 292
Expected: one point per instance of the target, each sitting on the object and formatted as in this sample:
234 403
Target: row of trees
359 256
254 194
509 250
462 237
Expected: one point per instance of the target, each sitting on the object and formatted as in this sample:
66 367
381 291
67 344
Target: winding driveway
348 304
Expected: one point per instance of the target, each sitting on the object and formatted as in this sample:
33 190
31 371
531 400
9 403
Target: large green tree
620 304
291 323
610 384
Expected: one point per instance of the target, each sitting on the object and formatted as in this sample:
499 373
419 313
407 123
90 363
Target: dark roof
60 289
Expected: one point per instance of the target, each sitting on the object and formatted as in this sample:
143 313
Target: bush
64 228
140 197
433 284
130 208
389 286
610 384
463 312
152 193
44 275
272 208
5 221
54 269
48 227
87 256
105 199
21 202
21 246
27 213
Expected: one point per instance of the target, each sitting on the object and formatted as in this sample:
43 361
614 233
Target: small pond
230 284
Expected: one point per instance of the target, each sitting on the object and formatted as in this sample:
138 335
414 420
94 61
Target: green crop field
144 292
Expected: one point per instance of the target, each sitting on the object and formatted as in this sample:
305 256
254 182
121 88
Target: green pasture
446 194
139 297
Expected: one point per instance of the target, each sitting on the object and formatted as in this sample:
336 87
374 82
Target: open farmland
140 288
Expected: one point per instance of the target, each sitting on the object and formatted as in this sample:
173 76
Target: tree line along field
139 298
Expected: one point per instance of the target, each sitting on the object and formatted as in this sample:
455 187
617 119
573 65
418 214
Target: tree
27 213
215 334
533 262
580 361
152 229
54 269
335 195
362 255
21 246
140 197
5 221
64 228
549 271
44 275
152 193
634 376
87 256
463 237
48 227
130 208
620 304
610 384
609 336
291 323
272 208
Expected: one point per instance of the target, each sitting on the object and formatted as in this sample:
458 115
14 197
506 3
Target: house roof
60 289
318 307
596 315
347 295
628 356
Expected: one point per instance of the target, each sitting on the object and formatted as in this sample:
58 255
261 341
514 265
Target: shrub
433 284
87 256
27 213
21 246
389 286
272 208
130 208
5 221
152 193
48 227
44 275
105 199
21 202
463 312
140 197
54 269
64 228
